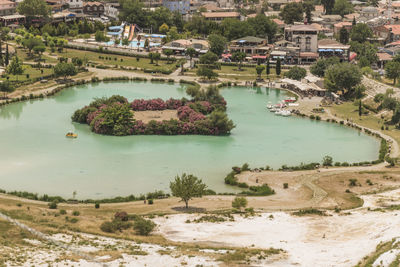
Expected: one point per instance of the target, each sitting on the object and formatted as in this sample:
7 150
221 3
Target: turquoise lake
37 157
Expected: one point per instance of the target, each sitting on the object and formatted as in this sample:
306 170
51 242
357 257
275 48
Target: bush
121 215
352 182
150 201
63 212
239 203
327 161
143 226
52 205
285 185
76 213
107 227
96 205
73 220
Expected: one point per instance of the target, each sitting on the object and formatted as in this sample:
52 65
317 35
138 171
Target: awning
338 50
241 41
329 50
226 55
259 57
322 50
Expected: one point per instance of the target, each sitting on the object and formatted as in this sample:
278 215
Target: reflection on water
12 111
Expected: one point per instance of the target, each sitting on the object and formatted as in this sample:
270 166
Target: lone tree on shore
186 187
239 203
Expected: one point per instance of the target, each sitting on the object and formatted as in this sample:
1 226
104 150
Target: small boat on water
290 100
269 106
293 104
284 113
71 135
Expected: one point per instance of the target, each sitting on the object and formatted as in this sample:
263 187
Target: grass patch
310 211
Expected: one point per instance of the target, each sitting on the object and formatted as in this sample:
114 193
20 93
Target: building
250 45
330 48
182 6
12 20
344 24
76 6
55 5
111 10
305 36
180 46
7 7
369 12
220 16
95 9
394 32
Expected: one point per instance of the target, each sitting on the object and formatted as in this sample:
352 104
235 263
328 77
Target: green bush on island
204 115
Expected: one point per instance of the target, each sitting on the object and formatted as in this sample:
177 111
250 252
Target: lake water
37 157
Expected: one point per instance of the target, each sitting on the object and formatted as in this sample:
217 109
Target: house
382 32
344 24
280 23
220 16
55 5
369 12
7 7
76 6
250 45
111 10
383 58
95 9
287 51
330 47
180 46
305 36
181 6
394 32
396 6
12 20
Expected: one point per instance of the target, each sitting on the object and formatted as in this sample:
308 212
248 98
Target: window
298 40
308 40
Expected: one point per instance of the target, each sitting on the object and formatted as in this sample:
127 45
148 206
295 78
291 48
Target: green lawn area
93 57
246 73
23 55
349 111
33 73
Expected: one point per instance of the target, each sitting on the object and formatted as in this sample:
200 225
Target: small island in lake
204 114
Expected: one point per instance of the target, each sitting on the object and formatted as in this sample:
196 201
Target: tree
33 8
360 33
328 6
6 87
39 49
292 12
187 187
327 161
7 56
264 27
239 57
220 120
156 57
268 68
296 73
125 41
206 72
308 7
163 28
65 69
278 67
342 7
191 52
392 70
147 44
359 108
239 203
101 37
318 68
343 35
15 67
132 11
234 29
208 58
168 53
343 77
217 43
366 49
259 70
31 42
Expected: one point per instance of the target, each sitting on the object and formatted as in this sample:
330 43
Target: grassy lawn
93 57
23 55
33 73
246 73
349 111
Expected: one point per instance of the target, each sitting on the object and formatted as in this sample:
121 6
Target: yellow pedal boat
71 135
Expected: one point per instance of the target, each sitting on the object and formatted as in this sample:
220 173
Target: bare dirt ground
156 115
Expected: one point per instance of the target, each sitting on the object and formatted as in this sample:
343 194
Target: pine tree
278 67
268 68
7 57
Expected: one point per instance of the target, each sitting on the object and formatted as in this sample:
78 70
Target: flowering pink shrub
152 104
173 103
185 113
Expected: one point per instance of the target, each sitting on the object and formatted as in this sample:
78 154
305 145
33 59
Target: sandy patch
157 115
336 240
